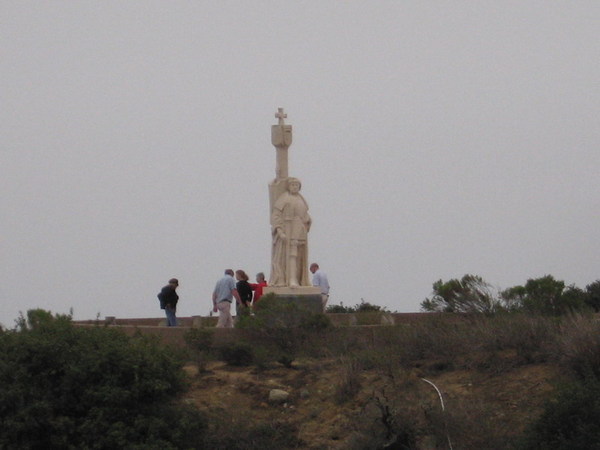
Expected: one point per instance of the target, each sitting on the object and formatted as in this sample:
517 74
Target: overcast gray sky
433 139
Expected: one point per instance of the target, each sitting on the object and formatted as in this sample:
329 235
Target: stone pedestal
306 297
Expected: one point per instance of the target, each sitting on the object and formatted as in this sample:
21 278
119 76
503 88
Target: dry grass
363 388
578 346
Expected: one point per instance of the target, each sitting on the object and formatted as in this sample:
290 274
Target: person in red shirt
258 287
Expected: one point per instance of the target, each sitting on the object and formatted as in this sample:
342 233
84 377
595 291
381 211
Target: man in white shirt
320 280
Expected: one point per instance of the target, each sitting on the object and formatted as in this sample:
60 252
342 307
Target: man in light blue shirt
320 280
222 297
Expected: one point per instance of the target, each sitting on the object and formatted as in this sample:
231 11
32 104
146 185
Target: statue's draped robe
290 214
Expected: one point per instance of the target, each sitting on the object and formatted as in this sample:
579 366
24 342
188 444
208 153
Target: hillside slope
335 404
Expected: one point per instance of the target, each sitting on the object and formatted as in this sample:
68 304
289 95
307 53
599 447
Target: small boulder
278 396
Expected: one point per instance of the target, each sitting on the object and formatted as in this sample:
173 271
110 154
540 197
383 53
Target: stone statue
290 224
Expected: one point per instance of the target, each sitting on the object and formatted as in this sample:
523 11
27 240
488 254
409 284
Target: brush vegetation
512 377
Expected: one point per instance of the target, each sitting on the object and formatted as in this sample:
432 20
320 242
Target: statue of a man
290 224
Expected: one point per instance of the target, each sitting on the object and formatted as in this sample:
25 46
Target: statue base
306 297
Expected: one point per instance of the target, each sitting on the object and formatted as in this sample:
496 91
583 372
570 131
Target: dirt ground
500 402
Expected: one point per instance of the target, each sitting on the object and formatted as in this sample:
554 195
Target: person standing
258 287
223 294
320 280
245 291
168 301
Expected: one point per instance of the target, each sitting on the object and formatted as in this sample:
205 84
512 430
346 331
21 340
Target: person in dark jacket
168 301
245 291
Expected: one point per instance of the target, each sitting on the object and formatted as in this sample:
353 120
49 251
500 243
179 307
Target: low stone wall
337 319
363 324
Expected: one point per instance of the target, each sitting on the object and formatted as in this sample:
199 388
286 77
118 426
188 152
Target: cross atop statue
281 138
280 115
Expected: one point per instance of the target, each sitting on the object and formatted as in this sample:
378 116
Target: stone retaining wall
351 319
365 324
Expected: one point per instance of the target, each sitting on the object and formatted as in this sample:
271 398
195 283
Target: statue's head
294 184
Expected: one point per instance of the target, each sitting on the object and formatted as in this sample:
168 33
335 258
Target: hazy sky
432 138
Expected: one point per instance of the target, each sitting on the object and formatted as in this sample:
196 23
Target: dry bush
341 341
349 383
476 341
230 429
531 336
386 422
389 349
502 342
468 424
441 343
578 348
407 345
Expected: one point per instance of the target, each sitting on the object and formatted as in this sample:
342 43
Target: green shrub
63 386
363 306
547 296
340 309
570 419
272 312
470 294
237 354
315 322
368 307
262 356
200 345
592 299
284 330
199 339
